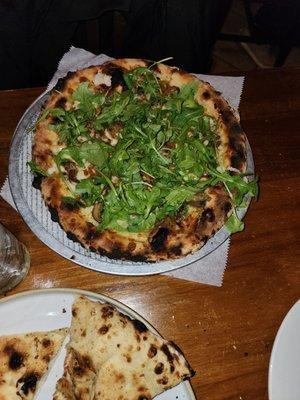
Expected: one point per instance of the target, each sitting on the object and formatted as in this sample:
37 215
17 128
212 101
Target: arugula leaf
234 224
112 111
142 79
68 153
36 170
88 101
188 91
178 196
95 153
70 127
90 191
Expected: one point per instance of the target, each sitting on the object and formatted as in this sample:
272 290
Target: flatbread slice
24 361
112 357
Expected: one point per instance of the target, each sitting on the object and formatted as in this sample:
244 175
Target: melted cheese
110 139
102 79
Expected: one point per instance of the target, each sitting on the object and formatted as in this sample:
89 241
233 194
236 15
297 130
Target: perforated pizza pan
31 206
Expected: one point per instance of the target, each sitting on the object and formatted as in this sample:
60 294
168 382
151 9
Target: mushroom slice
96 212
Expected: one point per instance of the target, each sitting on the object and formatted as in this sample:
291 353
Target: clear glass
14 260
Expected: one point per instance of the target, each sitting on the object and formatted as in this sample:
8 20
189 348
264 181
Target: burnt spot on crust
238 156
46 342
72 236
116 72
139 326
104 329
62 81
61 102
177 250
204 239
117 78
118 254
226 115
236 129
124 319
131 246
238 159
235 134
53 214
226 207
92 234
158 241
83 79
208 215
163 381
71 206
37 182
159 367
59 85
28 383
152 351
15 360
177 348
74 312
81 364
143 397
46 358
8 349
206 95
165 349
107 312
119 377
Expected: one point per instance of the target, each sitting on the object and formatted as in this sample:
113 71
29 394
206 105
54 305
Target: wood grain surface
226 333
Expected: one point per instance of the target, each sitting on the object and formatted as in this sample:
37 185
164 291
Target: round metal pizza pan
31 207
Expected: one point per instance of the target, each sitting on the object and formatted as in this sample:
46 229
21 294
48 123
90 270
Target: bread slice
112 357
25 360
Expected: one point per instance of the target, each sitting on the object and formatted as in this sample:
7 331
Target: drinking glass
14 260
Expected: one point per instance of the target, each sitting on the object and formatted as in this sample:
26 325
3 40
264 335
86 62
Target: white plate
284 369
42 310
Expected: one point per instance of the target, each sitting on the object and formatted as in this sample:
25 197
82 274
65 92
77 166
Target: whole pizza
140 161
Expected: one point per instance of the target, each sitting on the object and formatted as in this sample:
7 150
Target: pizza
25 360
111 356
140 161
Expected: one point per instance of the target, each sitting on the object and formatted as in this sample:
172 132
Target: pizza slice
25 360
111 356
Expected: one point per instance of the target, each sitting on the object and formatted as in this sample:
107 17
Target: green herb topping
151 150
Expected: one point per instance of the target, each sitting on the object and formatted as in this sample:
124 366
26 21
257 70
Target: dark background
34 34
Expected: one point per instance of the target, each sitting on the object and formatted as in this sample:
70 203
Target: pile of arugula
165 154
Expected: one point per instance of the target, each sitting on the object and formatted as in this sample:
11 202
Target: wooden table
226 333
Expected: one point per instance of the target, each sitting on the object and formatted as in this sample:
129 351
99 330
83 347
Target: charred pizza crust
25 360
173 237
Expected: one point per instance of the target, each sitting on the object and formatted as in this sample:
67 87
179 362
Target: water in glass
14 260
